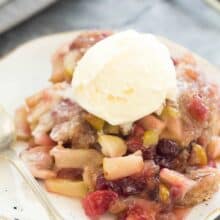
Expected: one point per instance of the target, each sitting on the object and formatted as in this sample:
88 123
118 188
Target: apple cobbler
152 168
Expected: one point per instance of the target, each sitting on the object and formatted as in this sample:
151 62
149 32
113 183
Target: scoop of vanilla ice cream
124 77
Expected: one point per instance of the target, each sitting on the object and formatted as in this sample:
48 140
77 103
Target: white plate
23 72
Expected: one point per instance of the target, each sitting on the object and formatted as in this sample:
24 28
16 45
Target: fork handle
19 165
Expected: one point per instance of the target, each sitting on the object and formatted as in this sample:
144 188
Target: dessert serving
128 125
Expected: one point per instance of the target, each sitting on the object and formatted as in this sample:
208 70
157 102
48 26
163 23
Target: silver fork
7 138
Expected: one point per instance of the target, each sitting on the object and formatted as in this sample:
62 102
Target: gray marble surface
189 22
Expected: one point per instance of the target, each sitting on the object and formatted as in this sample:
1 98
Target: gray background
189 22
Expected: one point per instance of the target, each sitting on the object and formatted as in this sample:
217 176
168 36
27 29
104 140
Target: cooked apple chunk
66 187
178 180
198 155
112 146
173 130
151 122
119 167
75 158
151 137
95 122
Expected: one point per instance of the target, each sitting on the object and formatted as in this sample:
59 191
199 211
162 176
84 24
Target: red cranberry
102 184
167 148
134 144
125 187
170 163
198 110
138 130
148 153
135 140
98 202
130 186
